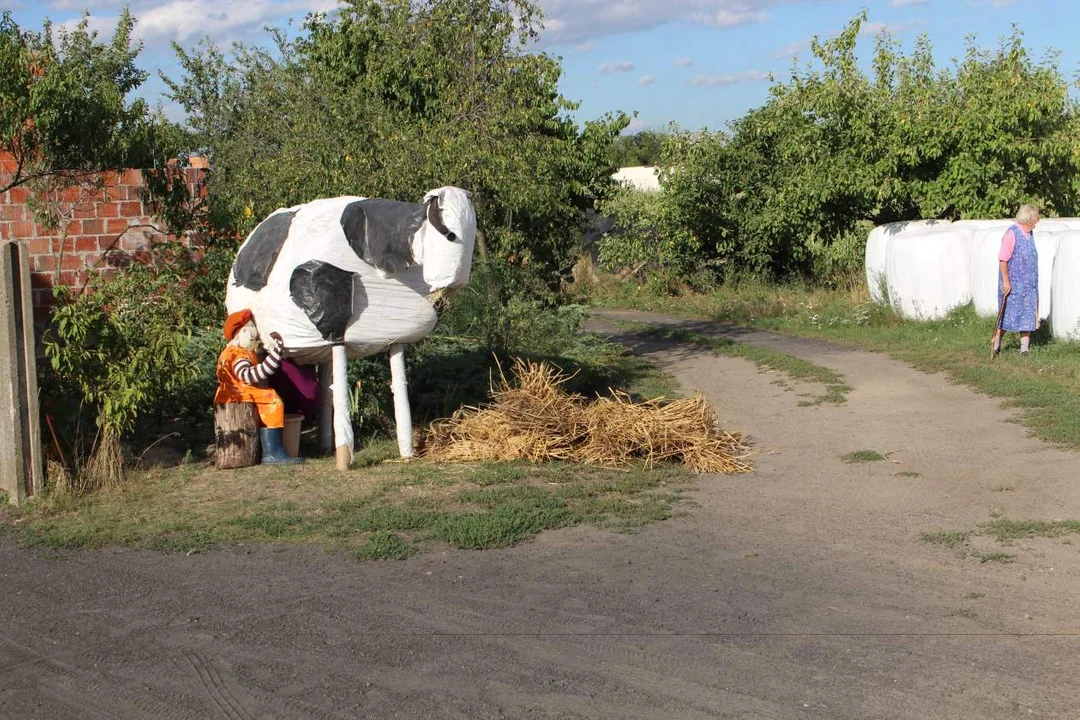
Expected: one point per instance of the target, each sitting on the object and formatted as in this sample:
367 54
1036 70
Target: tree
65 111
392 98
834 148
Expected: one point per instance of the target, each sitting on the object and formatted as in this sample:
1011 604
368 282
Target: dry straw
534 418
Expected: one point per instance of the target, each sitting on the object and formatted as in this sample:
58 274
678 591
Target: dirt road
801 591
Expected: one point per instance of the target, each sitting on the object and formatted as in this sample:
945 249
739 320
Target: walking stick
997 325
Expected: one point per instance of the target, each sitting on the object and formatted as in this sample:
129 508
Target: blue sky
700 63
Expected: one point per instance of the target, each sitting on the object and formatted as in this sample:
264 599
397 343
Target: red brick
93 227
41 246
84 211
72 262
13 212
131 209
20 230
71 195
108 210
68 278
18 195
86 243
41 280
131 177
115 226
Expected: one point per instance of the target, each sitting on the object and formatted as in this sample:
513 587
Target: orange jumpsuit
233 389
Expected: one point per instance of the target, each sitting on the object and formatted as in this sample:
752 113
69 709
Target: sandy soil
800 591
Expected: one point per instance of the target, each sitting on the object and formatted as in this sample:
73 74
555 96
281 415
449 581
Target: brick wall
101 223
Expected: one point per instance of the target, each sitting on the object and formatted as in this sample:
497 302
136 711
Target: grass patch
862 456
973 596
908 474
998 557
964 612
836 388
947 538
385 546
1045 385
388 510
1004 530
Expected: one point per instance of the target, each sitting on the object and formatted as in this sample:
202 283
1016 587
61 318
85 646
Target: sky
697 63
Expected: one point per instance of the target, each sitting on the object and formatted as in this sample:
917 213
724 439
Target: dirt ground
800 591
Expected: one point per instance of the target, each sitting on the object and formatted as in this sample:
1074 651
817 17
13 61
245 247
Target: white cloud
646 80
182 20
572 21
634 127
683 62
906 3
791 50
732 79
613 68
585 47
728 18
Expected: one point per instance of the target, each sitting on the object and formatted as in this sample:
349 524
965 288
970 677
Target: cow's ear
435 218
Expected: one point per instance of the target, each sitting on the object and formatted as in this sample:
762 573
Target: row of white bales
929 267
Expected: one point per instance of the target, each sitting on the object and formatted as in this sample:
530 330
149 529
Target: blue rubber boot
273 452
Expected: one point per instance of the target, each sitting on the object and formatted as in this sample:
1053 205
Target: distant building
644 178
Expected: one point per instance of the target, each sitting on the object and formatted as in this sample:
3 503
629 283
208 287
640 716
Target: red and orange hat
235 321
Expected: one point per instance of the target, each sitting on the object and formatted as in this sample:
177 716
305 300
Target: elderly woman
1018 280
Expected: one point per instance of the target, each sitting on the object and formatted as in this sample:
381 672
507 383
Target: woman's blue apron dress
1022 305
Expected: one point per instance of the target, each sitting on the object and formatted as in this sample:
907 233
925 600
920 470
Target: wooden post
21 465
236 435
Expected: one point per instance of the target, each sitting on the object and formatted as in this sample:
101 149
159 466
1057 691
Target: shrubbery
791 188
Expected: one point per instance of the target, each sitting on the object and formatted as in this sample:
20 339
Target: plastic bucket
290 436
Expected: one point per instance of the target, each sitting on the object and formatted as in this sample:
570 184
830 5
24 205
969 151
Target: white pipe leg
402 412
343 434
326 408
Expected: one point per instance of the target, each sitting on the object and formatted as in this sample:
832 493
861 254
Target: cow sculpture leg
326 408
343 434
402 412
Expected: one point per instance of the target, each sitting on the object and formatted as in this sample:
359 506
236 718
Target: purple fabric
298 387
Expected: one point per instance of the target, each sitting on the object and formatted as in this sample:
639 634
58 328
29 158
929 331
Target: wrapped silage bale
984 271
1065 290
877 243
1046 244
927 271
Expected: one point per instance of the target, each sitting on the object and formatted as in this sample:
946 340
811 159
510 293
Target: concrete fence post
21 468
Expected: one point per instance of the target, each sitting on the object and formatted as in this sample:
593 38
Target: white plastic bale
877 247
1046 244
1065 290
984 271
928 272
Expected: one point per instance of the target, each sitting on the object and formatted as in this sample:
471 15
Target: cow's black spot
256 260
325 293
380 231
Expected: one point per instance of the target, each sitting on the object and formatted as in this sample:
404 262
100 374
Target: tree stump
236 435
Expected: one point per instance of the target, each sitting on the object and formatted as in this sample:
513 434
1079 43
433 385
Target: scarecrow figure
242 378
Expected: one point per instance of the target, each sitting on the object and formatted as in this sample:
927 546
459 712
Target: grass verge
1045 385
382 511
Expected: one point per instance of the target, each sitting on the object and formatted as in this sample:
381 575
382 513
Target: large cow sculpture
347 277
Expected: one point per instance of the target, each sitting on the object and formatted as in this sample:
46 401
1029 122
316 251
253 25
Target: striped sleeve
254 374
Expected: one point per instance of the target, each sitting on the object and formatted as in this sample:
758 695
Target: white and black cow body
352 275
352 270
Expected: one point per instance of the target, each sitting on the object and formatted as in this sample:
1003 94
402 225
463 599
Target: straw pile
534 419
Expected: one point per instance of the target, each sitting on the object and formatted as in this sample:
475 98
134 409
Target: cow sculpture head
354 271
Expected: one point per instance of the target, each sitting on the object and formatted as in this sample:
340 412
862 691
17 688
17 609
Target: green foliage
835 150
65 107
643 148
390 99
124 349
644 236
